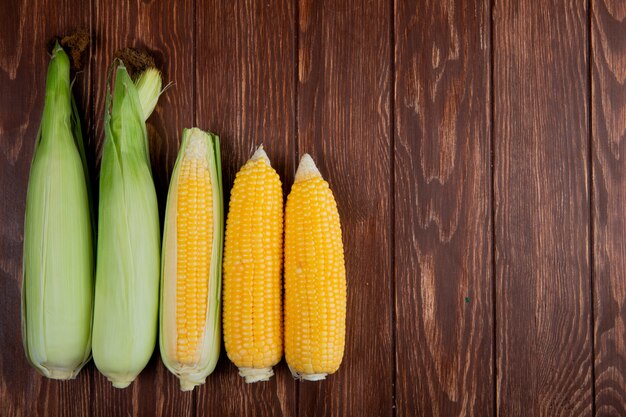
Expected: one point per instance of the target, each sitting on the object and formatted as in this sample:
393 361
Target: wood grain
344 96
245 92
608 110
541 133
165 30
443 210
26 28
403 105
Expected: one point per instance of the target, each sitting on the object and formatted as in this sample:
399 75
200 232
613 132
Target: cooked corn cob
315 281
252 270
57 293
127 272
192 261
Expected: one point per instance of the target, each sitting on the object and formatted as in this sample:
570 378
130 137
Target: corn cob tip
188 384
188 381
252 375
306 169
306 377
62 374
197 148
120 384
260 154
312 377
56 48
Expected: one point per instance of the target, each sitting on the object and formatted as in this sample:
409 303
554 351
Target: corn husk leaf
58 263
127 273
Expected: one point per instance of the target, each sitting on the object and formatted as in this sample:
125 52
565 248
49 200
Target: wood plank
443 209
165 29
344 123
541 135
246 93
25 29
608 110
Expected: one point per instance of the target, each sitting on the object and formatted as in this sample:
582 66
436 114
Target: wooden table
477 151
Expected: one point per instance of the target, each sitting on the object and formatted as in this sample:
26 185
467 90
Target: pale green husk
127 272
191 376
57 292
148 90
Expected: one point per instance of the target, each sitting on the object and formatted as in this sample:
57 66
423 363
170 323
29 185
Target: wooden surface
608 170
477 150
541 205
443 210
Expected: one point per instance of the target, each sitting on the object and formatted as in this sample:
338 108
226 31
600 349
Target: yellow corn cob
192 250
315 277
193 240
252 270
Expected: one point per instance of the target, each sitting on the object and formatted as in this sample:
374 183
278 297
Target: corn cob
192 261
252 270
57 292
127 272
315 282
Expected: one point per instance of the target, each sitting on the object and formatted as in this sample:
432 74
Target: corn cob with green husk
315 277
192 261
127 272
57 293
252 270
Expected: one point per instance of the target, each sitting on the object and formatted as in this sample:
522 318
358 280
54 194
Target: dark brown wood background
477 150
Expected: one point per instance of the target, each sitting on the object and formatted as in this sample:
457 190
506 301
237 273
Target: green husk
58 263
191 376
127 273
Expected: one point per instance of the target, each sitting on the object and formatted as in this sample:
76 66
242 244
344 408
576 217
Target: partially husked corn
315 281
192 257
252 270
